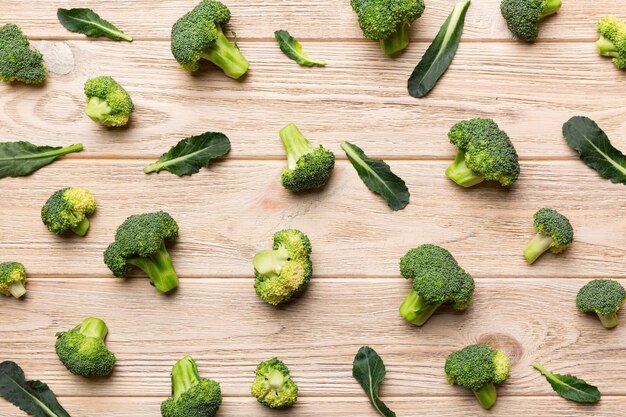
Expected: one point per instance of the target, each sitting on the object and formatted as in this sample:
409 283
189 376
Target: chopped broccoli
478 367
285 270
67 209
192 396
612 40
273 386
604 297
523 16
18 60
82 349
107 102
437 279
140 242
388 21
198 35
554 232
12 279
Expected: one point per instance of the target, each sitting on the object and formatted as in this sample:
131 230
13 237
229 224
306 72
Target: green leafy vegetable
378 177
87 22
570 387
439 54
191 154
369 371
32 397
292 48
21 158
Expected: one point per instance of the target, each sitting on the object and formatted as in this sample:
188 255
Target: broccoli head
604 297
192 396
554 232
107 102
82 349
12 279
478 367
67 209
273 386
523 16
18 60
437 279
140 242
388 21
198 35
612 40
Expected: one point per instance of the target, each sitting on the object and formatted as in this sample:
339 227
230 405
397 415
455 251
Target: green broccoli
82 349
554 232
484 153
273 386
437 279
285 270
612 40
604 297
67 209
307 167
140 242
523 16
12 279
198 35
388 21
192 396
18 60
478 368
107 102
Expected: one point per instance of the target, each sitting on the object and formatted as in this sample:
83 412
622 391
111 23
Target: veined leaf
369 370
293 49
21 158
87 22
570 387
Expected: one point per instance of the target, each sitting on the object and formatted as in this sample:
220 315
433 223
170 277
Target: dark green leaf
595 149
439 54
191 154
21 158
570 387
87 22
378 177
292 48
369 370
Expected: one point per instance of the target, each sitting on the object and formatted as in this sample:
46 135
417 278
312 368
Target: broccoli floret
307 167
273 386
478 368
198 35
388 21
523 16
67 209
12 279
437 279
107 102
82 349
554 232
140 242
18 60
604 297
612 40
192 396
286 269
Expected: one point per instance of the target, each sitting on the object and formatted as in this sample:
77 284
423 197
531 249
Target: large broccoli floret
273 386
192 396
612 40
388 21
107 102
554 232
67 209
198 35
478 367
12 279
604 297
140 242
523 16
18 60
437 279
82 349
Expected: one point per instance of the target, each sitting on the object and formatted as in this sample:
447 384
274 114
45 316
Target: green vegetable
21 158
439 54
273 386
107 102
191 154
554 233
12 279
377 176
292 48
604 297
570 387
67 209
369 371
523 16
18 60
612 42
87 22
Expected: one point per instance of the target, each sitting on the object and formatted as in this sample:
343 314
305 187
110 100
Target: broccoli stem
295 144
416 310
537 246
550 7
606 47
184 376
460 173
81 228
486 395
17 289
93 327
227 56
608 320
275 380
270 262
396 42
159 268
97 108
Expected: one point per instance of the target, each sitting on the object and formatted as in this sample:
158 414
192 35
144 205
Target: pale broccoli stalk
612 42
107 102
554 233
12 279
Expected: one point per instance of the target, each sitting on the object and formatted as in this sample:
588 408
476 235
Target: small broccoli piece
285 270
67 209
612 40
523 16
388 21
437 279
554 232
82 349
604 297
12 279
478 368
198 35
273 386
107 102
192 396
140 242
18 60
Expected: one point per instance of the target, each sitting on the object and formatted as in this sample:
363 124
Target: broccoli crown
273 386
18 61
602 296
12 279
67 209
613 39
476 365
381 19
551 223
107 102
523 16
